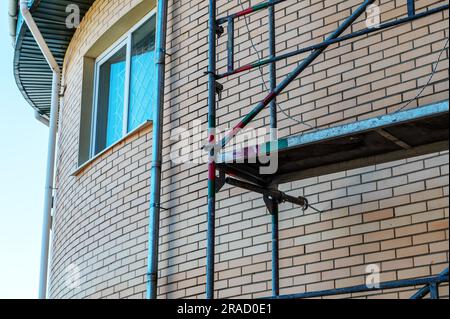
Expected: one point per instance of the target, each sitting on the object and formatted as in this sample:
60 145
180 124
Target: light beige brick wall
394 215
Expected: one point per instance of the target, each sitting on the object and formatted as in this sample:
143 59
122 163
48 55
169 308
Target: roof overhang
31 71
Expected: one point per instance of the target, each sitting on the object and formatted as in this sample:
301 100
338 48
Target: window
142 75
125 88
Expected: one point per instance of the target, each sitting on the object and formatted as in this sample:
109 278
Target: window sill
89 162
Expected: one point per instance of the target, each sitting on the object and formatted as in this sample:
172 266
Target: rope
315 209
286 114
420 92
262 74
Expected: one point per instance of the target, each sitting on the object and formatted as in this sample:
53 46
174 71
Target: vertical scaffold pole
273 137
411 8
211 160
230 45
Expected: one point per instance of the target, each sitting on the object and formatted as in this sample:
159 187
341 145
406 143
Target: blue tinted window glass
116 100
142 77
110 103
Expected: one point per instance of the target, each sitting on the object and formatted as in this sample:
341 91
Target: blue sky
23 149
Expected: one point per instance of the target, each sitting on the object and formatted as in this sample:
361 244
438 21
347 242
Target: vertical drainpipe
48 200
12 12
155 181
273 137
210 241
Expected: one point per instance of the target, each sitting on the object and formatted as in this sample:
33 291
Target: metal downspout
12 12
48 200
155 182
273 137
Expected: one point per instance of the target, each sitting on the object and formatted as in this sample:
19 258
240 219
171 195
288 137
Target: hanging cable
286 114
434 69
315 209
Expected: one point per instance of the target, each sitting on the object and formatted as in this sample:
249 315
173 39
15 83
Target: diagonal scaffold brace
294 74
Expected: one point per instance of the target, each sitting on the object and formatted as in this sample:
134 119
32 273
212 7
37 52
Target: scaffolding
392 133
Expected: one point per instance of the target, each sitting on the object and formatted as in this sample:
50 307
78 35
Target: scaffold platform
377 140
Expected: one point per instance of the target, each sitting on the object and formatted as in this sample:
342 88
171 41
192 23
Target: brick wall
393 215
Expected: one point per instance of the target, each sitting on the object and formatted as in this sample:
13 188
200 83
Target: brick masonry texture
394 215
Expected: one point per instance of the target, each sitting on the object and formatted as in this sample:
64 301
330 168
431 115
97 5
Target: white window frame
124 40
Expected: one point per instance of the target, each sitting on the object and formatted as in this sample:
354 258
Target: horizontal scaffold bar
443 277
326 43
256 7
